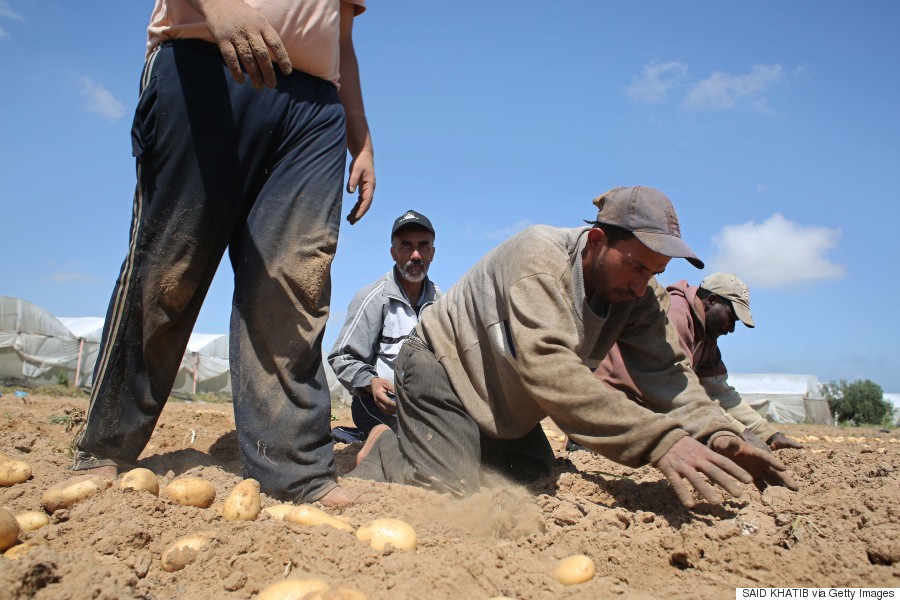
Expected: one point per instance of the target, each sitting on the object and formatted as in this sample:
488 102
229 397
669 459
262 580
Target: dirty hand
690 460
762 465
780 441
244 36
752 439
362 175
383 392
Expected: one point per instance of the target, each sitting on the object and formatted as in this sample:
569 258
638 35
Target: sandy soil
842 529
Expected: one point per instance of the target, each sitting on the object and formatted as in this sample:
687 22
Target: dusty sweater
518 340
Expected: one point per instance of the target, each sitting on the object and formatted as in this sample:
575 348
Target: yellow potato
192 491
66 493
184 551
32 519
574 569
292 589
143 480
243 502
9 530
279 511
305 514
338 594
13 471
19 550
381 532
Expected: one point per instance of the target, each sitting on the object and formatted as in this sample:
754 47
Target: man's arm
359 139
731 402
353 356
245 37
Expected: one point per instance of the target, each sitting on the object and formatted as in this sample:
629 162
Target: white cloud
721 91
656 80
6 12
67 276
506 231
100 100
777 252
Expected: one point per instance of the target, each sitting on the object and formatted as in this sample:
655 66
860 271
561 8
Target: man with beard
378 321
701 314
515 341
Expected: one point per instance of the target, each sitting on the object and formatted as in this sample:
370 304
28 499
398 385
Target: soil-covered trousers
438 445
221 166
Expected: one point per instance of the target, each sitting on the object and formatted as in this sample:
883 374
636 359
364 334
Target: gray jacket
380 317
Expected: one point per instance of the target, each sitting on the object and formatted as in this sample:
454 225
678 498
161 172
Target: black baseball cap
411 217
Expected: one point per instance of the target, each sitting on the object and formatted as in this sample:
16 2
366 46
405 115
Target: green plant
62 378
860 401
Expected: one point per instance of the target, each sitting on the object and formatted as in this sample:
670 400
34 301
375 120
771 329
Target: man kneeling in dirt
701 314
515 340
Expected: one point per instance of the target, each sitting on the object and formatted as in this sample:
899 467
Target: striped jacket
380 317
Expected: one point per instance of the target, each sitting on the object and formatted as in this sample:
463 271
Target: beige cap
731 287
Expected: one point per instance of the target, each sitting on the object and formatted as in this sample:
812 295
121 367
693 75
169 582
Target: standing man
256 169
515 341
378 321
701 314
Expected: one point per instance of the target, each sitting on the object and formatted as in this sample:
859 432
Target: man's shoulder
373 289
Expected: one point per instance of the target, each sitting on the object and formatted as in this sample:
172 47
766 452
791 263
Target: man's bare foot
370 443
339 496
107 471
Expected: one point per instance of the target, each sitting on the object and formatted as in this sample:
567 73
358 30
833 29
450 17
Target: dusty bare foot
108 471
370 443
340 496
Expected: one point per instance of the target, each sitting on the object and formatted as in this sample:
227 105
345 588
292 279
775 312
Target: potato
9 530
192 491
338 594
19 550
32 519
184 551
381 532
243 502
279 511
13 471
577 568
305 514
292 589
143 480
66 493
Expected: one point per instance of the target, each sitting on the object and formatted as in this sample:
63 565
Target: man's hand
780 441
752 439
762 465
362 175
245 37
383 392
690 460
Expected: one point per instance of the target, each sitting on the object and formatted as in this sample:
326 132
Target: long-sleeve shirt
688 317
519 339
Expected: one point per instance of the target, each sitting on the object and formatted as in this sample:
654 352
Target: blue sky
773 126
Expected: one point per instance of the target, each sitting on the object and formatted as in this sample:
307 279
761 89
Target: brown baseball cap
650 216
731 288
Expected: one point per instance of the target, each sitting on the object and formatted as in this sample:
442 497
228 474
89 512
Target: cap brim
743 313
668 245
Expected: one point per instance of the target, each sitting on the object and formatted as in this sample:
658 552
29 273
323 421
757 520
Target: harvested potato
19 550
9 530
143 480
381 532
292 589
32 519
243 502
577 568
336 594
192 491
184 551
305 514
13 471
66 493
279 511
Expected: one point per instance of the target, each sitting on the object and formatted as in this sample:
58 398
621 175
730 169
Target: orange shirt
309 29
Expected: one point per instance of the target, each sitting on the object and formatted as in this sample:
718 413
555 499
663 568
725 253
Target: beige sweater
518 341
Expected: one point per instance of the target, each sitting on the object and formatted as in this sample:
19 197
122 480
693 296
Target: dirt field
842 529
